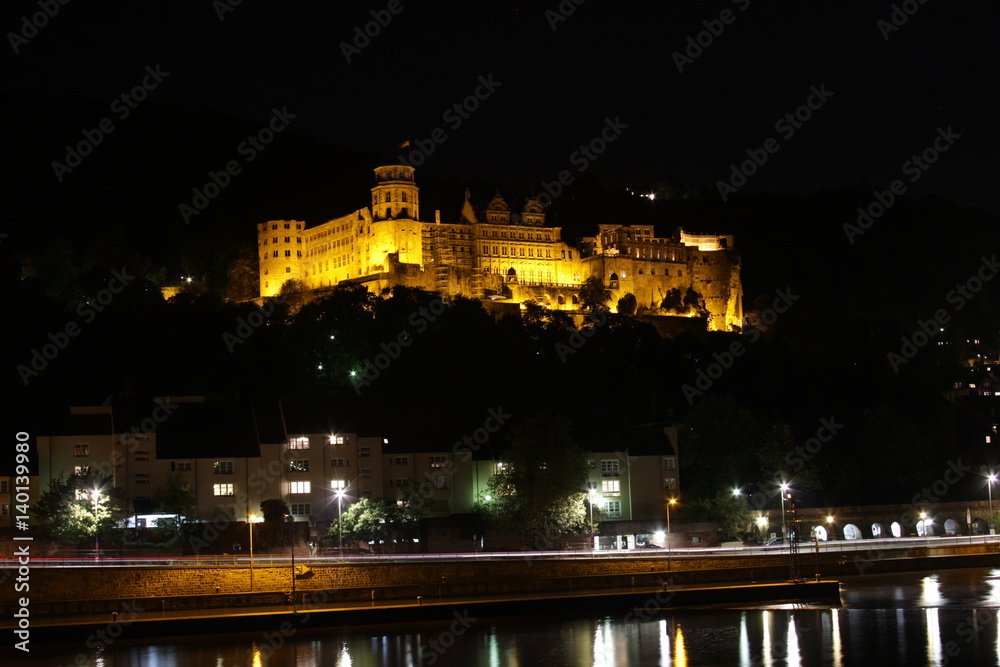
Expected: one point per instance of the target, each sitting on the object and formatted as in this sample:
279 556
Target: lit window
337 440
438 461
81 450
670 483
298 443
298 465
222 489
609 468
222 467
611 487
81 471
338 484
669 463
301 509
299 487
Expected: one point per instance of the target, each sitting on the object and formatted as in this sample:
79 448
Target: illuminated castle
505 256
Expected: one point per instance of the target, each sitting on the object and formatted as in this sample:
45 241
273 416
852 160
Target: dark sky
557 86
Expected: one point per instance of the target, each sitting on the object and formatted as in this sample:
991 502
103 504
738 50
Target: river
918 618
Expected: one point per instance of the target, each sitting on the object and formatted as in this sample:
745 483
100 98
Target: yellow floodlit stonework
500 255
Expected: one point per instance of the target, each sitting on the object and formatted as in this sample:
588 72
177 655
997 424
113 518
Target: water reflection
838 656
680 652
930 591
793 658
933 637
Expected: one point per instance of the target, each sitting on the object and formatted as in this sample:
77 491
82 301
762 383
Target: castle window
274 240
275 253
274 226
298 239
265 241
298 253
288 269
404 197
287 226
288 239
288 253
680 273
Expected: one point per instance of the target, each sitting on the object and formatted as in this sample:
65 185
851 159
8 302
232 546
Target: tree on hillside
627 304
593 295
538 490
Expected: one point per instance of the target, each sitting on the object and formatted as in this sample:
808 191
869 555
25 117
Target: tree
593 295
538 489
274 532
673 302
176 497
627 304
80 508
363 521
732 513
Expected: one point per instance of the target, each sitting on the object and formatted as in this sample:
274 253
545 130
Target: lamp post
669 503
992 478
291 520
784 530
250 521
591 492
829 522
340 520
95 495
923 522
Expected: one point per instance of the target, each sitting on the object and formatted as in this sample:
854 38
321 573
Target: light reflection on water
945 618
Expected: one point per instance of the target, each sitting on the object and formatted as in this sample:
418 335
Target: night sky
560 77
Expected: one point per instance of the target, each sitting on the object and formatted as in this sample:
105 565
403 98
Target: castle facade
499 255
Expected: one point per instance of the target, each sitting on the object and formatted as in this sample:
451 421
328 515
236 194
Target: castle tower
395 195
533 213
498 212
280 248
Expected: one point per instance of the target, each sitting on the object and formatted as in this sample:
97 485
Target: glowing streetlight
96 497
923 522
992 478
670 502
251 520
340 519
784 491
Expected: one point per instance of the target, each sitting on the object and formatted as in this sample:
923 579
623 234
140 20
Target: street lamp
670 502
992 478
96 497
340 519
829 521
252 519
923 522
784 530
291 520
592 492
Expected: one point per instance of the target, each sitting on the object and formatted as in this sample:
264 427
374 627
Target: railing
879 546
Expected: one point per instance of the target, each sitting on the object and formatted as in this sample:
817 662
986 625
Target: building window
183 466
440 482
288 253
670 483
609 468
298 443
340 463
364 451
591 486
299 487
288 239
222 467
301 509
669 463
613 509
438 461
222 490
611 487
337 440
338 484
81 450
399 482
3 486
298 465
81 471
400 461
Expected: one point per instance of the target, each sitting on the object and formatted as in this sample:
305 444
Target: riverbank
136 622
